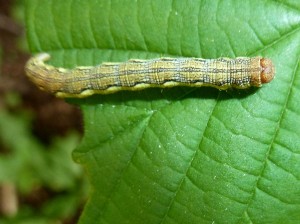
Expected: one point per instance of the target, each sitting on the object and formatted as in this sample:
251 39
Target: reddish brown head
268 70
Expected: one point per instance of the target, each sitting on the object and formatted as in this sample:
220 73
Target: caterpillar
79 82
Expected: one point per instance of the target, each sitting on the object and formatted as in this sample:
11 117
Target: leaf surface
183 155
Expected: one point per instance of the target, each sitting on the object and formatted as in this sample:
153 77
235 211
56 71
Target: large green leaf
183 155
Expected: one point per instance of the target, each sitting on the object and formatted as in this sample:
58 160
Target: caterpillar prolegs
221 73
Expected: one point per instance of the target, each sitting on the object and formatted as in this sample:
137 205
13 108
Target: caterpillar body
221 73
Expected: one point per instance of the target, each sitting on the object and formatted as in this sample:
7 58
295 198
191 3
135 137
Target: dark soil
52 116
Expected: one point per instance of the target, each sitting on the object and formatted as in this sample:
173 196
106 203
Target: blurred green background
39 181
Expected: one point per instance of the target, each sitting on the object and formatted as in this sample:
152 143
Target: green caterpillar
221 73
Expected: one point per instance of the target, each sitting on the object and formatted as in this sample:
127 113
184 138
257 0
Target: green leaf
183 155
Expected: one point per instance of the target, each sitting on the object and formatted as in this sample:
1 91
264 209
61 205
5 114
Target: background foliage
183 155
39 181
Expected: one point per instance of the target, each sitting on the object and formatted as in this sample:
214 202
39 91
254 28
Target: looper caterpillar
221 73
